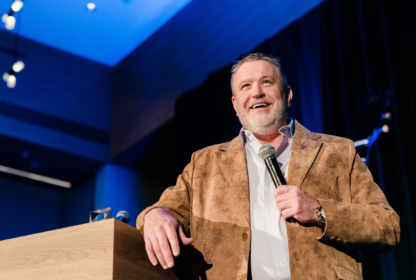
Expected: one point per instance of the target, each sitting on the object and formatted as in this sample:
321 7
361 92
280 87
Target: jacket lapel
232 161
305 149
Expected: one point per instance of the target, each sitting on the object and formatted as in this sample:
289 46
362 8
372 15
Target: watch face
321 214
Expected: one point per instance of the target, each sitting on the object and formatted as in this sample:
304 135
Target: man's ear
234 104
289 95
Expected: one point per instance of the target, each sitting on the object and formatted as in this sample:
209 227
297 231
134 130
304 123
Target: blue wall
27 207
118 187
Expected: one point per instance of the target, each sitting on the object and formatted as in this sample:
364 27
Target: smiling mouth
259 105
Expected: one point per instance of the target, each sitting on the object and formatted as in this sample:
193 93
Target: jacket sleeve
368 222
175 200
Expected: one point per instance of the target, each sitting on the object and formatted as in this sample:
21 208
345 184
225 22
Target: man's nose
257 91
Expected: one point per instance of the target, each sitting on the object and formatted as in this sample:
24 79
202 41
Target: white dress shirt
269 246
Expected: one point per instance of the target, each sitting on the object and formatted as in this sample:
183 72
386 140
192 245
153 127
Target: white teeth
259 105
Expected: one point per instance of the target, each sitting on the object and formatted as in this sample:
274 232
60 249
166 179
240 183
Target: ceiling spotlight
9 77
11 81
4 18
18 66
91 7
17 5
10 22
5 76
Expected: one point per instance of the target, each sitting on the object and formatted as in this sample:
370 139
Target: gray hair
266 57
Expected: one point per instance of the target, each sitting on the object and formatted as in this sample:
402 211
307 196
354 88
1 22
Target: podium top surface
108 249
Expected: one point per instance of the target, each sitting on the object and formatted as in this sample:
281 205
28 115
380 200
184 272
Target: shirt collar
286 130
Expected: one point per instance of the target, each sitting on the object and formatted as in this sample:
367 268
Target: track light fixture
17 5
10 77
9 19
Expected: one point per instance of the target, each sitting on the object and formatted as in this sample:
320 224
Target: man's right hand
160 230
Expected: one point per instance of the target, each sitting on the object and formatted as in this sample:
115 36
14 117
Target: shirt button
270 188
274 234
270 210
245 236
281 264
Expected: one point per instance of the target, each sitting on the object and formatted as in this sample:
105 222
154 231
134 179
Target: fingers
158 251
287 193
286 209
283 205
293 201
282 189
160 235
184 240
166 259
150 252
281 197
174 242
158 248
287 213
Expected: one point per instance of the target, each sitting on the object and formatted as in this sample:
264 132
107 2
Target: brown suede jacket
211 202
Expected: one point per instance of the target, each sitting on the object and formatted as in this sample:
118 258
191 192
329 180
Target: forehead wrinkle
268 76
261 78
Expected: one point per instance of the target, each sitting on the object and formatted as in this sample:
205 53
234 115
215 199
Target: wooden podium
106 249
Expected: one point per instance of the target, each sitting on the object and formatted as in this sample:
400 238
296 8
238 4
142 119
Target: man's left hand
294 202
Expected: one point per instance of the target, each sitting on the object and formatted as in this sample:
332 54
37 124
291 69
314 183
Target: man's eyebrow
250 80
270 77
244 81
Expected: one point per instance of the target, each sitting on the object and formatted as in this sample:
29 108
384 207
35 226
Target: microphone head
123 215
266 151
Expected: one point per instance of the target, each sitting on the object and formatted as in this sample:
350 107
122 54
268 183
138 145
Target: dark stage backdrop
343 59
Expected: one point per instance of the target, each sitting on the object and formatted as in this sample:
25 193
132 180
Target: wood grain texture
130 257
79 252
102 250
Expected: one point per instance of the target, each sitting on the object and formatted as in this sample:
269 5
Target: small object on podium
100 214
123 216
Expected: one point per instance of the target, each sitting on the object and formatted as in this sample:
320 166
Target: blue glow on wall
118 187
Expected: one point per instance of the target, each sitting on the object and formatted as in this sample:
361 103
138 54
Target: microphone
123 216
266 152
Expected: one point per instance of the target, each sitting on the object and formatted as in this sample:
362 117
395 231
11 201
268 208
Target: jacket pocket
346 274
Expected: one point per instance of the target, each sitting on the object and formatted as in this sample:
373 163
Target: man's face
258 98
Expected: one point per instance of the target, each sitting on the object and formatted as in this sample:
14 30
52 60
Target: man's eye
267 82
246 85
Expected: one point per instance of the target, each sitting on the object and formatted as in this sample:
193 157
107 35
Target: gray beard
267 127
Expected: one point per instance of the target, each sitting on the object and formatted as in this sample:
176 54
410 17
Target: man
311 228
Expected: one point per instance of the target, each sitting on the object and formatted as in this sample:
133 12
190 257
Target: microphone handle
275 172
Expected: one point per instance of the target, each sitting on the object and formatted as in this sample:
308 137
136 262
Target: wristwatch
321 216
